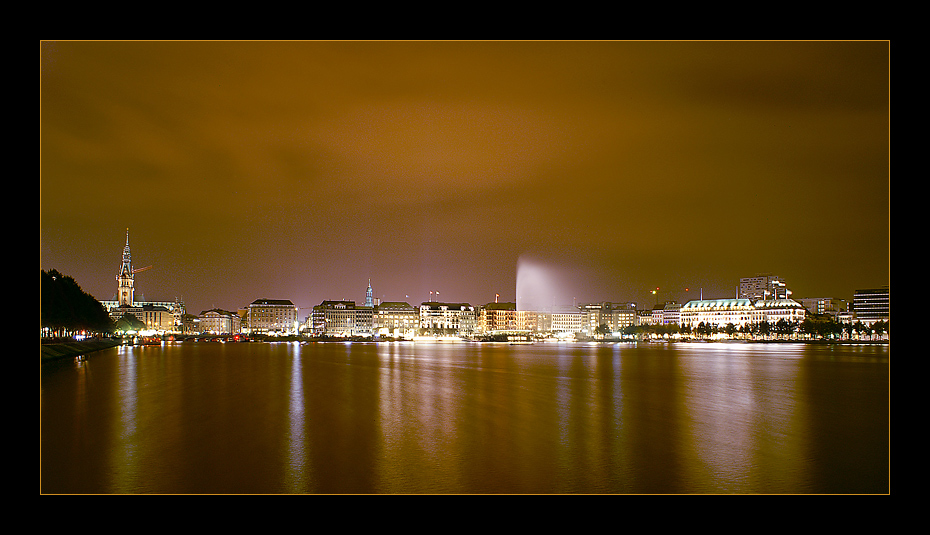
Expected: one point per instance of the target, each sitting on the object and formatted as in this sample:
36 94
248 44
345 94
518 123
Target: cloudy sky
300 170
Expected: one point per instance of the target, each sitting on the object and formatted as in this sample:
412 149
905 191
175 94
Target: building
156 318
871 305
616 316
272 316
671 314
740 312
565 322
334 318
496 318
218 321
395 319
825 306
190 324
762 287
775 310
716 313
447 319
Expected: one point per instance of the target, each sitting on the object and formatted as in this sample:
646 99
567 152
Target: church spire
125 291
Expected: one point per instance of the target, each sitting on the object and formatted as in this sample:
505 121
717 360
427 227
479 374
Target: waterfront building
364 320
762 287
775 310
496 318
272 316
156 318
566 322
740 312
716 312
190 324
644 317
396 319
658 315
871 305
616 316
217 321
671 313
825 306
334 318
437 318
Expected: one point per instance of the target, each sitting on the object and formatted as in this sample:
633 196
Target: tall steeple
125 277
368 299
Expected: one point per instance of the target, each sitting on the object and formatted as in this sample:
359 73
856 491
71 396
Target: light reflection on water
468 418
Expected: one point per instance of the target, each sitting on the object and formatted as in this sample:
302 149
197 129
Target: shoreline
57 351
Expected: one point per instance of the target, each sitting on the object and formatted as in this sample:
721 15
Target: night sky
300 170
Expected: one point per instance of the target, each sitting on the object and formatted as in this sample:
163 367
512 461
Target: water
467 418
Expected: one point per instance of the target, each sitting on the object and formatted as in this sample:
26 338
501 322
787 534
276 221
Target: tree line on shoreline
813 327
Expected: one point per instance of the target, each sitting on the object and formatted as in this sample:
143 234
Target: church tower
125 277
368 298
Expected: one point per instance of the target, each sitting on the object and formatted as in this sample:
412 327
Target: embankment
73 349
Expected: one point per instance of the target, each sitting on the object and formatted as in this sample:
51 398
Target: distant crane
141 269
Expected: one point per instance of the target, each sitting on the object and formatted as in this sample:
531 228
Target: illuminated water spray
544 287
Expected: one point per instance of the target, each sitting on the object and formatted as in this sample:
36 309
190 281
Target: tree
763 328
860 328
783 327
67 309
128 322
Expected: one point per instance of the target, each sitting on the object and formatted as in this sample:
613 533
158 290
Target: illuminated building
395 319
671 314
616 316
496 318
334 318
871 305
716 312
721 312
644 317
762 287
828 306
775 310
218 321
272 316
438 318
566 322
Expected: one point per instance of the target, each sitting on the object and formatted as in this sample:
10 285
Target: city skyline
300 170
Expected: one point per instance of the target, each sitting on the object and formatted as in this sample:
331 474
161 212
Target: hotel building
721 312
716 312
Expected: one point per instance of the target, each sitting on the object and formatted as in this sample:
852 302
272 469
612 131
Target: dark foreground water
467 418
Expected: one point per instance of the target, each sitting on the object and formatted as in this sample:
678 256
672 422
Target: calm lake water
263 418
